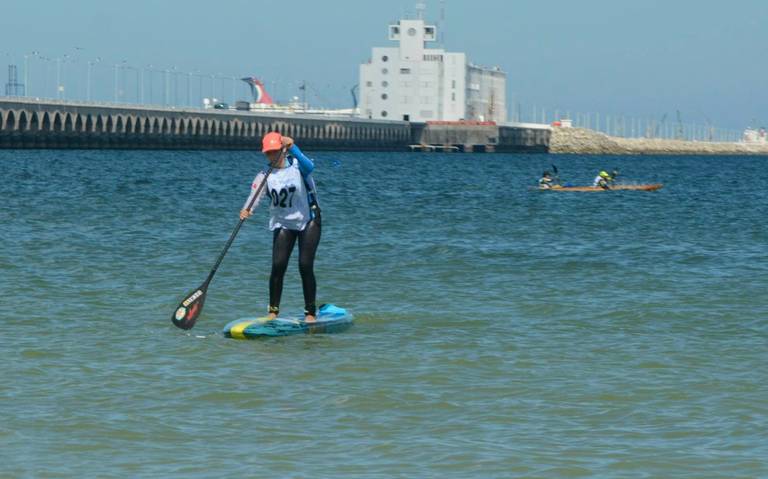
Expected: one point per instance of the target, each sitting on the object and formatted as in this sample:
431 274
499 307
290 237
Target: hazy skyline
641 59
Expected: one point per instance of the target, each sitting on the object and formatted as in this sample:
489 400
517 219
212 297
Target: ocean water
500 331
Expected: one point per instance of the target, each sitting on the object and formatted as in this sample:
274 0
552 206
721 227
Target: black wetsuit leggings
283 241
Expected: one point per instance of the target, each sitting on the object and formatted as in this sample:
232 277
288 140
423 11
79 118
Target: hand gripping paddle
190 308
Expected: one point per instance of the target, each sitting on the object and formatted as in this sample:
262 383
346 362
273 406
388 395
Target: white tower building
414 83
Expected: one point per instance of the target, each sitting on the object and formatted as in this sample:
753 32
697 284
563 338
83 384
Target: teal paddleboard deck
330 319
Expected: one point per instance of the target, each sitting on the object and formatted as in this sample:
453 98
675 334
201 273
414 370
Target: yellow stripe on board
236 331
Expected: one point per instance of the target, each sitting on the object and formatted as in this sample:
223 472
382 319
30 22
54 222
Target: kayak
651 187
330 319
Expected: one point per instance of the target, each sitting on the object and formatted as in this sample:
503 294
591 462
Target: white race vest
287 194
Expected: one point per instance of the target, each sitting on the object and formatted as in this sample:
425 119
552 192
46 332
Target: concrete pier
583 141
28 123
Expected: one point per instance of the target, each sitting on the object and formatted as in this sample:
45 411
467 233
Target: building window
453 96
453 83
385 83
384 96
384 113
411 31
384 71
369 83
384 58
405 71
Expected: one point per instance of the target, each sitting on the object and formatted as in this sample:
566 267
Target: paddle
190 308
557 174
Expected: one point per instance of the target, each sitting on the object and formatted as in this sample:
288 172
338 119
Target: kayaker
546 181
293 215
603 180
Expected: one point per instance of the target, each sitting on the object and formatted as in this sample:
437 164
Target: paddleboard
330 319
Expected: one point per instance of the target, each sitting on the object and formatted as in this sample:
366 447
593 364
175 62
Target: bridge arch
119 126
23 123
34 122
67 122
45 124
79 123
57 123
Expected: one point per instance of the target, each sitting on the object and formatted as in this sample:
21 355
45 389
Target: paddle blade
189 309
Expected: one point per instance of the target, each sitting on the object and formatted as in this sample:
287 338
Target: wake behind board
330 319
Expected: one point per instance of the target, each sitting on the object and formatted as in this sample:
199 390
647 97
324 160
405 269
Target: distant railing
628 126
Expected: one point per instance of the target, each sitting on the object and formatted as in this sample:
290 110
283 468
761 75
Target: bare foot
310 319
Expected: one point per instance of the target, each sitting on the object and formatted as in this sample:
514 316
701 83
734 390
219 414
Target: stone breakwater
583 141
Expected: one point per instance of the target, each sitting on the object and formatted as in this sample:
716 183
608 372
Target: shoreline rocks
583 141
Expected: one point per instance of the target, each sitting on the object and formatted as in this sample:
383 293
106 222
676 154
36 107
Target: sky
707 59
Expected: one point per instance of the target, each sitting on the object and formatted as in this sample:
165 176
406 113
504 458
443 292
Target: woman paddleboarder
293 215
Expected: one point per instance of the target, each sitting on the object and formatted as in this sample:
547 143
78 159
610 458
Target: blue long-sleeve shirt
306 165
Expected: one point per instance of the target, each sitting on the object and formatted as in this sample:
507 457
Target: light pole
44 68
88 77
136 70
150 70
200 88
58 78
115 92
26 71
175 87
118 75
141 83
166 86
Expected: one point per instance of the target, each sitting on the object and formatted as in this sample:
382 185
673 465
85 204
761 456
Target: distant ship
262 102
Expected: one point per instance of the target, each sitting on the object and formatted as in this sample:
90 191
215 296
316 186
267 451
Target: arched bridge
27 123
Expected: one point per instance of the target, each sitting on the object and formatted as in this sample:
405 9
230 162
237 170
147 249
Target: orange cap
272 141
